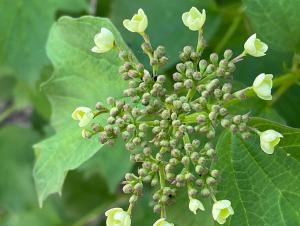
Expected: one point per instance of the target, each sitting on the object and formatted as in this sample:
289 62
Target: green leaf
165 24
81 78
107 162
264 189
276 22
17 192
24 28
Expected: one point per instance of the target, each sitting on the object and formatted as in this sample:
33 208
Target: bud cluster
171 133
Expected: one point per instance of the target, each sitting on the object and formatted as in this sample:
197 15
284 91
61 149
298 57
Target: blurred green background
25 110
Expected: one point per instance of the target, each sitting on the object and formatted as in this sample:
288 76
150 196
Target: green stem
201 42
285 83
162 182
234 25
7 112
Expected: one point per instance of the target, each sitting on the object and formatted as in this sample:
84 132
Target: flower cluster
170 133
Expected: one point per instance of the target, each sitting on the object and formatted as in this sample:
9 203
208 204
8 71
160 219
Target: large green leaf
276 22
18 202
81 78
165 24
264 189
24 27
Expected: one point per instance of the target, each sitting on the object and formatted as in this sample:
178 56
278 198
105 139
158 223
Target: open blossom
222 210
262 86
84 115
117 217
104 41
193 19
138 22
162 222
254 47
268 140
195 204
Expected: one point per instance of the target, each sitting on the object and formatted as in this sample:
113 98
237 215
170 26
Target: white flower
268 140
254 47
222 210
262 86
117 217
193 19
195 204
138 22
162 222
104 41
84 115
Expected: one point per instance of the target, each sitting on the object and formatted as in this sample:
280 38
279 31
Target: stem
150 53
7 112
201 42
163 212
286 82
93 7
234 25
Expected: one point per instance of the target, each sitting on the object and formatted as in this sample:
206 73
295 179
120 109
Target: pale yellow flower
262 86
162 222
193 19
222 210
254 47
138 23
84 115
104 41
268 140
195 204
117 217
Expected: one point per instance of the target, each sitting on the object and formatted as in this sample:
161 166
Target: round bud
214 58
205 192
199 182
180 67
211 181
157 208
210 69
228 54
127 189
202 65
215 173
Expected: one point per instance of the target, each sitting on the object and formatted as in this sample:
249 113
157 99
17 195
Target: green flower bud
214 173
237 119
228 54
188 83
138 188
210 69
205 192
214 58
211 181
202 65
199 182
127 189
197 75
180 67
110 100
